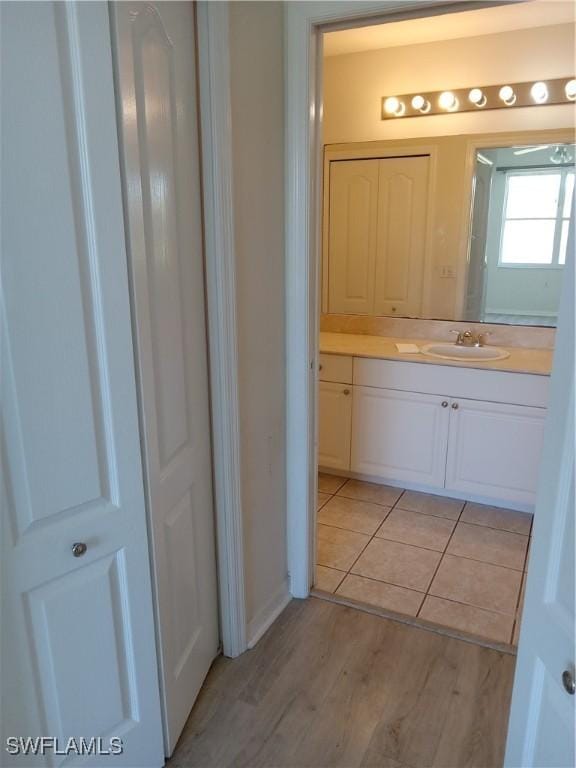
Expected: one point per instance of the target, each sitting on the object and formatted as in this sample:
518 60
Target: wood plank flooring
332 686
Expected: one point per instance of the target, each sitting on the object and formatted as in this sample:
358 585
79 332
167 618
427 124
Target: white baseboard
268 614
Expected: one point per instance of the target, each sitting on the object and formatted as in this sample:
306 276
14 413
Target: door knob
79 549
455 406
568 682
346 391
444 403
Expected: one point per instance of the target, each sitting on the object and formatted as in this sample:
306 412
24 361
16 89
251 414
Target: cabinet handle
455 406
79 549
345 391
444 403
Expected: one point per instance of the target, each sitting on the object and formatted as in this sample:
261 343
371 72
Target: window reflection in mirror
519 233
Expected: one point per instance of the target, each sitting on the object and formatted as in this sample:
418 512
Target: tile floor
455 563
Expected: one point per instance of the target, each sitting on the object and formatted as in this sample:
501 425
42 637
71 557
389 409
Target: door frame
213 52
305 23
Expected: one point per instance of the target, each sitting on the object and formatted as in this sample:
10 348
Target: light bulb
448 101
393 106
539 92
507 95
421 104
477 97
570 90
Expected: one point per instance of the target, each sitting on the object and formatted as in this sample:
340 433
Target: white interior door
352 229
401 238
156 71
78 645
541 730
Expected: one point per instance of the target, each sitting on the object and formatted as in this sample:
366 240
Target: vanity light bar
561 90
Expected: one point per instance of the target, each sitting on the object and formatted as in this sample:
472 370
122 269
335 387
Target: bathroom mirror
519 234
462 227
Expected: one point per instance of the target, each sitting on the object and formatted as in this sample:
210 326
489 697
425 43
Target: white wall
355 83
256 38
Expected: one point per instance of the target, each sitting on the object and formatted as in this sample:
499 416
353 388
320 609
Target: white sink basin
454 352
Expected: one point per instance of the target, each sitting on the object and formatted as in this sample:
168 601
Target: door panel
494 450
401 242
399 436
541 729
335 420
156 78
352 236
78 650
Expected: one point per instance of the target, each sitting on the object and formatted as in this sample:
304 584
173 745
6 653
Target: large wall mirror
466 227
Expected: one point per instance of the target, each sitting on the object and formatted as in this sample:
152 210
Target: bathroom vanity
466 430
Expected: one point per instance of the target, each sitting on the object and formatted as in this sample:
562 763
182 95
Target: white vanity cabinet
335 411
335 415
473 433
400 435
494 449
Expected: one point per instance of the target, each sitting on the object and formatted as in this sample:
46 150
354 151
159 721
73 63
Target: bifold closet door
78 640
401 238
156 74
352 236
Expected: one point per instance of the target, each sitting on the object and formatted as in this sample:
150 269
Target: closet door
159 122
78 641
352 236
402 215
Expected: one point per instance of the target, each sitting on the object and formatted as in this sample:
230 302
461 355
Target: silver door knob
455 406
568 682
79 549
444 403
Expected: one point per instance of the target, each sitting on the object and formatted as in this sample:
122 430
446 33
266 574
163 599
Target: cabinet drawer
337 368
452 381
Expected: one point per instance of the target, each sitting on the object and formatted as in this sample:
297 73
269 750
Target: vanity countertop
521 360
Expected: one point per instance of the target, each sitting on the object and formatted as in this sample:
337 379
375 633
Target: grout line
441 559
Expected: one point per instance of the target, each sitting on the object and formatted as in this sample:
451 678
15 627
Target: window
537 208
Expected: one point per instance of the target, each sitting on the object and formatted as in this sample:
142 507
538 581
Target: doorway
304 242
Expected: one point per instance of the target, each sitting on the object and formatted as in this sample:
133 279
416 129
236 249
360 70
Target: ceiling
486 21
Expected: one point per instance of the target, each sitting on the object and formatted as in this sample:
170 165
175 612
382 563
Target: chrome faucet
470 339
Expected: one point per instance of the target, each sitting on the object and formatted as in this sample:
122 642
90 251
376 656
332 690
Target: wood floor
333 686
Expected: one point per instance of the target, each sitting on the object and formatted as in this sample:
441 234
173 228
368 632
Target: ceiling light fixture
561 156
539 92
393 106
477 97
507 95
530 93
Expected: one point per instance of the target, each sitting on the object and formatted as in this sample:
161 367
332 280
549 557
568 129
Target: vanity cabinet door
400 436
494 450
335 425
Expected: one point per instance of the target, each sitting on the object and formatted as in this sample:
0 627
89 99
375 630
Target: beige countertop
521 360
